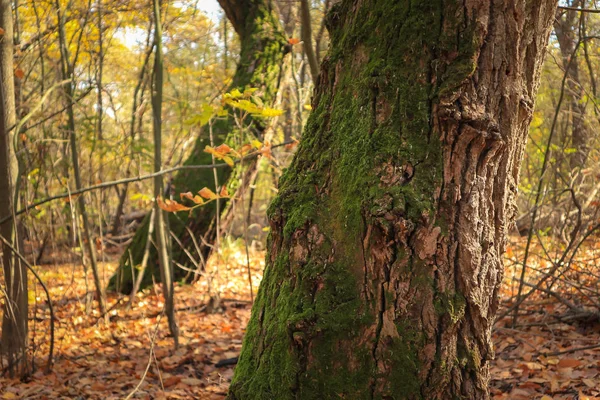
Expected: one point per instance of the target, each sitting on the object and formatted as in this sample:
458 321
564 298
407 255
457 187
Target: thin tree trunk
13 344
566 27
384 260
162 238
67 73
263 47
306 30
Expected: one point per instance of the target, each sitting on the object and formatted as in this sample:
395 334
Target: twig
571 350
150 358
127 180
586 10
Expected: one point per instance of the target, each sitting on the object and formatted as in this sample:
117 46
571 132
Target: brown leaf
569 363
192 381
171 205
19 73
172 381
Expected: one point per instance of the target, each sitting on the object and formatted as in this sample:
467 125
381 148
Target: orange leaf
2 31
188 195
171 205
207 194
223 149
224 192
293 41
245 149
266 151
19 73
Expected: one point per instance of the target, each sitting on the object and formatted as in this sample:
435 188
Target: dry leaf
569 363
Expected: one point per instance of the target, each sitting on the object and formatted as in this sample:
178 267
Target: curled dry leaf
207 194
171 205
195 198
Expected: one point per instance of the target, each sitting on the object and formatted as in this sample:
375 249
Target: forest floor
131 355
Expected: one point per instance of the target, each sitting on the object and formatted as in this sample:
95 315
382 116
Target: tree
162 240
263 47
384 259
67 72
567 26
13 344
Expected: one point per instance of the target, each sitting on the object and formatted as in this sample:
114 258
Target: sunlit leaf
171 205
207 193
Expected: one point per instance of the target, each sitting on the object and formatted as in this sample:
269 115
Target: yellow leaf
210 150
271 112
207 194
235 94
229 161
248 92
307 107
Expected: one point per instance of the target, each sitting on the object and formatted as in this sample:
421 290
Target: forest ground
97 360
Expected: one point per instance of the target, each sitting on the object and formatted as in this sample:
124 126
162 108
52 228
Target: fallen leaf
569 363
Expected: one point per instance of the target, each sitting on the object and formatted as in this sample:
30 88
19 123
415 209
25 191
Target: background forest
92 155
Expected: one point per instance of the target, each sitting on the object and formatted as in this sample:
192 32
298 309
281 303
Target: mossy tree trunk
263 47
384 258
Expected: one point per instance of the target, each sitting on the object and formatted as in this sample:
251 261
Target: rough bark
13 344
263 47
384 259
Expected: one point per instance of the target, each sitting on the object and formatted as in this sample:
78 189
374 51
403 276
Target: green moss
454 305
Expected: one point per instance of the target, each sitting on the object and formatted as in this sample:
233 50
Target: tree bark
566 27
306 30
13 344
263 46
384 259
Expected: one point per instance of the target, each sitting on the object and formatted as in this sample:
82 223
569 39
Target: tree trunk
13 344
306 30
384 259
67 71
566 26
263 47
161 229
